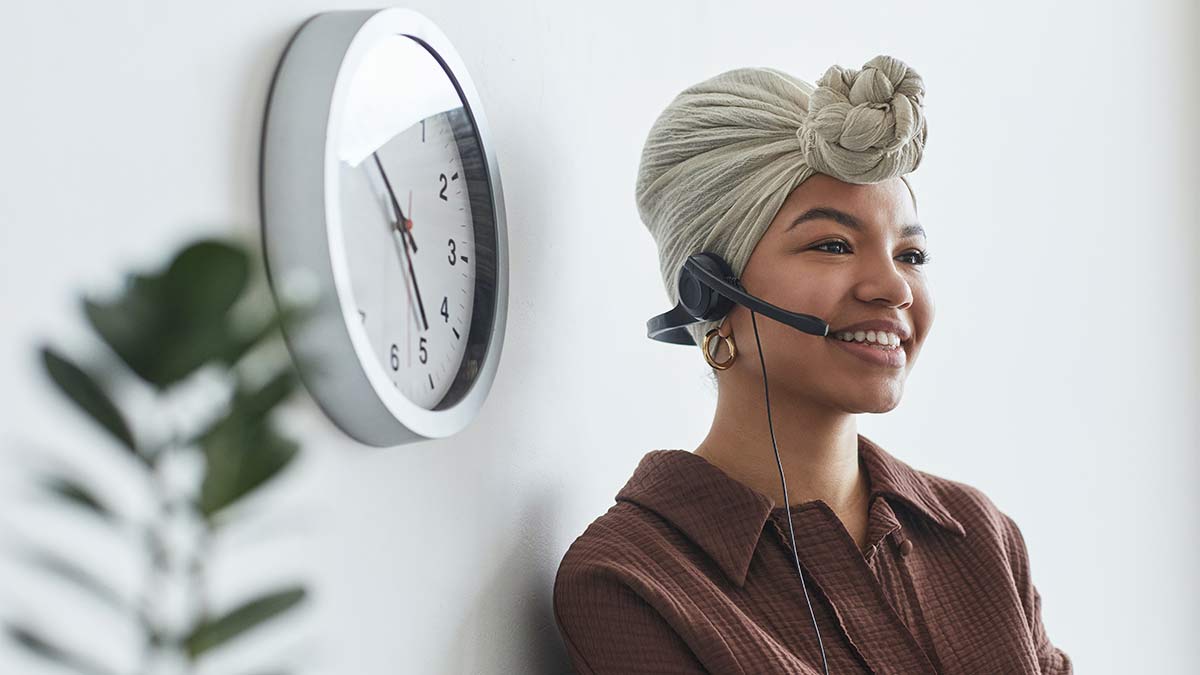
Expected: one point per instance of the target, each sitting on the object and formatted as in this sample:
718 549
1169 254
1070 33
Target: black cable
787 507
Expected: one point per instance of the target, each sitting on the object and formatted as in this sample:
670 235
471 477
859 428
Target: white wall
1058 188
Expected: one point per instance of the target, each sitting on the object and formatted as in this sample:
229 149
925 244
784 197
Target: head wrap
719 162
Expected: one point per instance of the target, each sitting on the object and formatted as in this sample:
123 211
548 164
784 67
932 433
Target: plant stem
159 573
197 569
161 639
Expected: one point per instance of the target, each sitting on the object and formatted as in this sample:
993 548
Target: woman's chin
880 398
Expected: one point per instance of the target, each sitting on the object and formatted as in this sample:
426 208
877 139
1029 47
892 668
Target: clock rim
306 101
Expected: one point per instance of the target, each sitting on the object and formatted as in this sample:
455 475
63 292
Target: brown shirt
691 571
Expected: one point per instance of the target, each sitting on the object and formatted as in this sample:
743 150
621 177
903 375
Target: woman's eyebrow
830 213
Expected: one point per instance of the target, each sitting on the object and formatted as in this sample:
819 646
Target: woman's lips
891 358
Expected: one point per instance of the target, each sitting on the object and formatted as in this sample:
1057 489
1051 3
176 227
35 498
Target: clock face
408 229
383 215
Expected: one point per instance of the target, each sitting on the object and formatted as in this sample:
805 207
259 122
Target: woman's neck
818 450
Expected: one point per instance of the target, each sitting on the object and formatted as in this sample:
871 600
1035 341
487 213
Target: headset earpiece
708 290
701 301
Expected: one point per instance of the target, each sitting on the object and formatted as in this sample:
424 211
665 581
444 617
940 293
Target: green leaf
166 326
38 645
88 395
214 633
207 277
190 348
77 494
259 403
240 459
242 450
135 324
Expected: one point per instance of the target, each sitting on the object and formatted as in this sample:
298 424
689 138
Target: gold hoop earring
728 342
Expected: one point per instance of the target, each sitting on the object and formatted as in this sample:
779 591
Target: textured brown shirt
691 571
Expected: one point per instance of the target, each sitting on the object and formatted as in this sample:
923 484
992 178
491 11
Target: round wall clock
381 197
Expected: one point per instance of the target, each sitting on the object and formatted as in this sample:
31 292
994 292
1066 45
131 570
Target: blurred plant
164 327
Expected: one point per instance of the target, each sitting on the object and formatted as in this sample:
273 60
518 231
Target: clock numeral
446 308
453 257
424 353
446 184
396 356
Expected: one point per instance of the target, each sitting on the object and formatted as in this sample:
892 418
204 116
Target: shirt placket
832 558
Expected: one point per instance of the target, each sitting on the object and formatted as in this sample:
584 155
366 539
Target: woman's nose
882 278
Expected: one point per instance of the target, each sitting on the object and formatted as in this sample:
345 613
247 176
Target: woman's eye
831 243
922 257
919 257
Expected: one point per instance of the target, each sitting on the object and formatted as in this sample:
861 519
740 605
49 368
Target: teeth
878 338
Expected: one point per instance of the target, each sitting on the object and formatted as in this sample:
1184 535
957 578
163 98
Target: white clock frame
302 229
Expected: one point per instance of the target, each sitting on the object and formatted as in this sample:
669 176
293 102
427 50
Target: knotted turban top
723 156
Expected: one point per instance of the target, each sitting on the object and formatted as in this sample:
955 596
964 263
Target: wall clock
381 195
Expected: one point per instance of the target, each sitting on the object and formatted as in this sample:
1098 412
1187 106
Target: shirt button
905 547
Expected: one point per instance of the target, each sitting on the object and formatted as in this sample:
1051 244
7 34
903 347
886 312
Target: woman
873 566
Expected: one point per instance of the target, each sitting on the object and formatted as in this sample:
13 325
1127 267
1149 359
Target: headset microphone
708 289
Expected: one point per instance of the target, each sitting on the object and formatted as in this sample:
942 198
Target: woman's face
843 275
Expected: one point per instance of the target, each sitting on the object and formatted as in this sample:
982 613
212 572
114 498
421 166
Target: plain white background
1058 189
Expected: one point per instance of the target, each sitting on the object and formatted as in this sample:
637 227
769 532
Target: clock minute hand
399 212
403 232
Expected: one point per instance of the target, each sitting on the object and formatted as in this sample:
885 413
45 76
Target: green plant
195 314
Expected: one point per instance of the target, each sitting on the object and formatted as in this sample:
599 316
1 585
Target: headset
708 289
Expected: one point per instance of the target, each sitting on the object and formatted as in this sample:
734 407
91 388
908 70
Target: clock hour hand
403 231
403 223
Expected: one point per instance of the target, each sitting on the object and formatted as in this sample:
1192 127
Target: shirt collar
725 517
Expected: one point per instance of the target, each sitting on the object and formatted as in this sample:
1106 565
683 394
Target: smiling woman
855 255
800 191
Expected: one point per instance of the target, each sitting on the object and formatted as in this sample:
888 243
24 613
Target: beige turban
721 159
